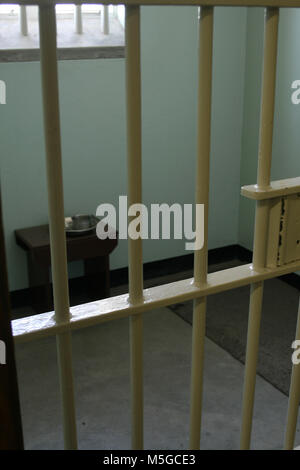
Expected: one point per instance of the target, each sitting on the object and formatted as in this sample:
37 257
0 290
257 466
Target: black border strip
11 435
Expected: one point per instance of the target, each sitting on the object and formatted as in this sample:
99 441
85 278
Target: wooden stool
89 248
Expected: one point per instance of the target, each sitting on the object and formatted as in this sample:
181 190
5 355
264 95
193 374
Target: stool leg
40 287
96 271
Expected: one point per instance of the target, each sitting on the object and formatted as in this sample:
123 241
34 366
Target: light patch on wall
295 97
2 92
296 354
2 352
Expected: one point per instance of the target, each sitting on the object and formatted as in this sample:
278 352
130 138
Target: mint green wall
92 96
286 140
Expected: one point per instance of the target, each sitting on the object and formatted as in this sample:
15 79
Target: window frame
63 53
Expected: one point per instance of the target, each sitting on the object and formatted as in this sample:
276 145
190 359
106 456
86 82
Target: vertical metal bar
134 151
23 20
105 19
294 399
202 197
78 19
136 364
49 75
261 218
11 436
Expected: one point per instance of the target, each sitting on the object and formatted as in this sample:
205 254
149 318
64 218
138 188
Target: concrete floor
101 369
11 38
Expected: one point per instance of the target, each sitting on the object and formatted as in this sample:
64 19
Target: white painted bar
197 367
47 25
261 218
23 21
137 381
202 197
205 48
134 168
222 3
105 19
78 19
294 399
268 98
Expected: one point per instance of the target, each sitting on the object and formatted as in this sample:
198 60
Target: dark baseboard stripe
174 265
153 269
243 254
292 279
64 53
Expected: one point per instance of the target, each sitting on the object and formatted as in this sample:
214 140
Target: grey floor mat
227 318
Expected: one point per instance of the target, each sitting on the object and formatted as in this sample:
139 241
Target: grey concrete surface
101 370
11 38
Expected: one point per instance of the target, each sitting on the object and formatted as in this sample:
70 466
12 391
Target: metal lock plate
284 231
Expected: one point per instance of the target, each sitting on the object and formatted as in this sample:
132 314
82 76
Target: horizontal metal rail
275 189
217 3
44 324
